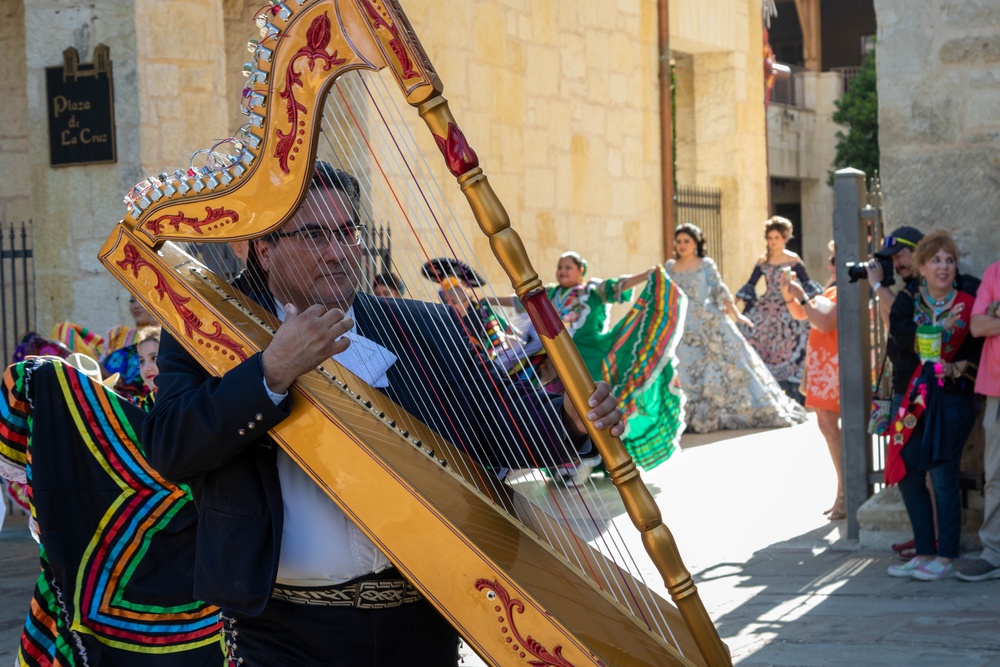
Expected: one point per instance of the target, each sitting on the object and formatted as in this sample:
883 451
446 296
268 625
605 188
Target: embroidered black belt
384 590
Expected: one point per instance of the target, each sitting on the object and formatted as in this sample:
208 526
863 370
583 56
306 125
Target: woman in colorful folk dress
934 407
778 338
635 356
822 383
725 383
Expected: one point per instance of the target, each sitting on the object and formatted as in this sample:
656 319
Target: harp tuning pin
280 10
252 45
268 30
248 69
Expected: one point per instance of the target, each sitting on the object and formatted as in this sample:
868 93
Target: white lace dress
726 383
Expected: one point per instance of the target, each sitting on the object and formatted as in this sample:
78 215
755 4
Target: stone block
964 15
978 50
952 188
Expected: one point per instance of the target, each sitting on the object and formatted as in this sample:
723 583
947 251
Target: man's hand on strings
604 411
304 341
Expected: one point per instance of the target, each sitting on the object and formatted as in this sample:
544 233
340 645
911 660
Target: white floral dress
726 383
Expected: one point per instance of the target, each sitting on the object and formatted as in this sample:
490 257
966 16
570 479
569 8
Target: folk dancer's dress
726 384
635 356
778 338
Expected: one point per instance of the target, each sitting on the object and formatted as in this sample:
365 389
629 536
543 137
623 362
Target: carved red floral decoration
134 261
317 39
212 215
507 608
457 152
396 44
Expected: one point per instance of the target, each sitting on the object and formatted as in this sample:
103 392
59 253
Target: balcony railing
788 88
848 74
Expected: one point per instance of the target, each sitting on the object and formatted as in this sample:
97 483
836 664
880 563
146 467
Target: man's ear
263 251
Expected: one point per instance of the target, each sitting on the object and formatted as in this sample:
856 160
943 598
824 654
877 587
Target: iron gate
702 207
17 284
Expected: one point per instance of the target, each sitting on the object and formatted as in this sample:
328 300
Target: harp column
509 250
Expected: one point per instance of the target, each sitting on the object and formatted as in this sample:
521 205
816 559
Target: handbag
878 420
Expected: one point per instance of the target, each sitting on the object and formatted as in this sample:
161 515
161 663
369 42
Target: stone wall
801 147
15 180
720 121
561 100
939 95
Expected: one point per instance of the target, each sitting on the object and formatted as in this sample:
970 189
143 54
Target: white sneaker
906 570
933 570
577 474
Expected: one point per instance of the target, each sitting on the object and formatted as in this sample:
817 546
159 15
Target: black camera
859 270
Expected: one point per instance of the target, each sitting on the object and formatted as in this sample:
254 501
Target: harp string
617 542
495 393
410 151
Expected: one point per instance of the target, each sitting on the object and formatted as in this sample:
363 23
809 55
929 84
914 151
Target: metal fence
848 74
788 88
702 207
17 284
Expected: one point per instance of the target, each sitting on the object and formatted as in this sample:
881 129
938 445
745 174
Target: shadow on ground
807 602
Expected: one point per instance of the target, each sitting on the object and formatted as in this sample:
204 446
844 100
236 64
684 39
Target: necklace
934 302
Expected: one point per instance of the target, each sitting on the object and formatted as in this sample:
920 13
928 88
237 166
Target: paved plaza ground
783 586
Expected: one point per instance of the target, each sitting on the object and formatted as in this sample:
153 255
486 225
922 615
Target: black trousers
296 635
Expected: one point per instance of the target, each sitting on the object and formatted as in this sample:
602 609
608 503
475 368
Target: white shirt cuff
275 398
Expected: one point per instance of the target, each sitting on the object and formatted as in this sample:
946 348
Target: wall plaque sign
81 109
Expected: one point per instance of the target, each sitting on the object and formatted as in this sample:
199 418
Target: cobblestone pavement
783 586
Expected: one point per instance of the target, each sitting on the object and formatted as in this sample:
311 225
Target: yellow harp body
514 599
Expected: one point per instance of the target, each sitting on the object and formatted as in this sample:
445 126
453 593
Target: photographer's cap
904 237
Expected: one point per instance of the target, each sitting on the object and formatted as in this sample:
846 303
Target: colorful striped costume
116 539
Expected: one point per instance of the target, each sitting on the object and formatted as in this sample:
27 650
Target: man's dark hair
390 280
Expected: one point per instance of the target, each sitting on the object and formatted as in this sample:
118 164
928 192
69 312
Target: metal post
853 327
3 294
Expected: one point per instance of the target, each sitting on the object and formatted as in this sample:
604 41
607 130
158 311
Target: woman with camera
822 383
934 364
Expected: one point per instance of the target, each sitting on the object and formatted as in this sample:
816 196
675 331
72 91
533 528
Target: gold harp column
509 250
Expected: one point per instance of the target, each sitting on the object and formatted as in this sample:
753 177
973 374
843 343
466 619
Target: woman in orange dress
822 382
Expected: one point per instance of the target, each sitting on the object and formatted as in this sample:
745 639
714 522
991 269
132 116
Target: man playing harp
284 563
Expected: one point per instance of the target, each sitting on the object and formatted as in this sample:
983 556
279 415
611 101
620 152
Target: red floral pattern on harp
457 152
134 261
396 44
212 215
317 39
517 643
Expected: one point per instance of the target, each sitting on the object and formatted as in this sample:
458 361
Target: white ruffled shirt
320 545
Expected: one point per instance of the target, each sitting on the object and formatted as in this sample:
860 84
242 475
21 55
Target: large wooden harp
517 583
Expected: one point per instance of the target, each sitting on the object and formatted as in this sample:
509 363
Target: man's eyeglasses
321 236
893 240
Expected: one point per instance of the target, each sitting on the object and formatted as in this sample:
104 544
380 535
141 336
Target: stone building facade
939 96
560 100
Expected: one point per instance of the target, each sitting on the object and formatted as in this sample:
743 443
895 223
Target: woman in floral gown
778 338
725 382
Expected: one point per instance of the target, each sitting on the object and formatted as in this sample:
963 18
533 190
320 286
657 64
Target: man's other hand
604 412
874 269
303 341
